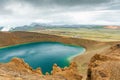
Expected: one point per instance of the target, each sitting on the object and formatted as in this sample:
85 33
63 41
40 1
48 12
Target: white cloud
22 13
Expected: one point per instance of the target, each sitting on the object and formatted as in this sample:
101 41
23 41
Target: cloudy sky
20 12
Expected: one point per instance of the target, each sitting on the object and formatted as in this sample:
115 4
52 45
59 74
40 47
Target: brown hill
13 38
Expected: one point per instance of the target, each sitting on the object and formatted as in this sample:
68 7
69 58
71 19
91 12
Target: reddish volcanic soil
112 27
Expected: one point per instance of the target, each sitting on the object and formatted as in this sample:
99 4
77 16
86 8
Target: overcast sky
20 12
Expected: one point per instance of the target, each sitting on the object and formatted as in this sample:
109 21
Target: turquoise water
41 54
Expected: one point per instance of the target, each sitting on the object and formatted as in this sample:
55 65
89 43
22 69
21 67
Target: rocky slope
17 69
105 66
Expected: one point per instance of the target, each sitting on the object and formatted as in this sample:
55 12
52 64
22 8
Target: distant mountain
1 28
32 26
37 26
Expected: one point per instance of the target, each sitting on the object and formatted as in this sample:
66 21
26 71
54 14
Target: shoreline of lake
28 51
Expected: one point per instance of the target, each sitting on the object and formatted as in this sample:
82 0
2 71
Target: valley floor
85 33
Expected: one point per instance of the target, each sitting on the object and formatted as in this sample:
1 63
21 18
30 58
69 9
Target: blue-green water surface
41 54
